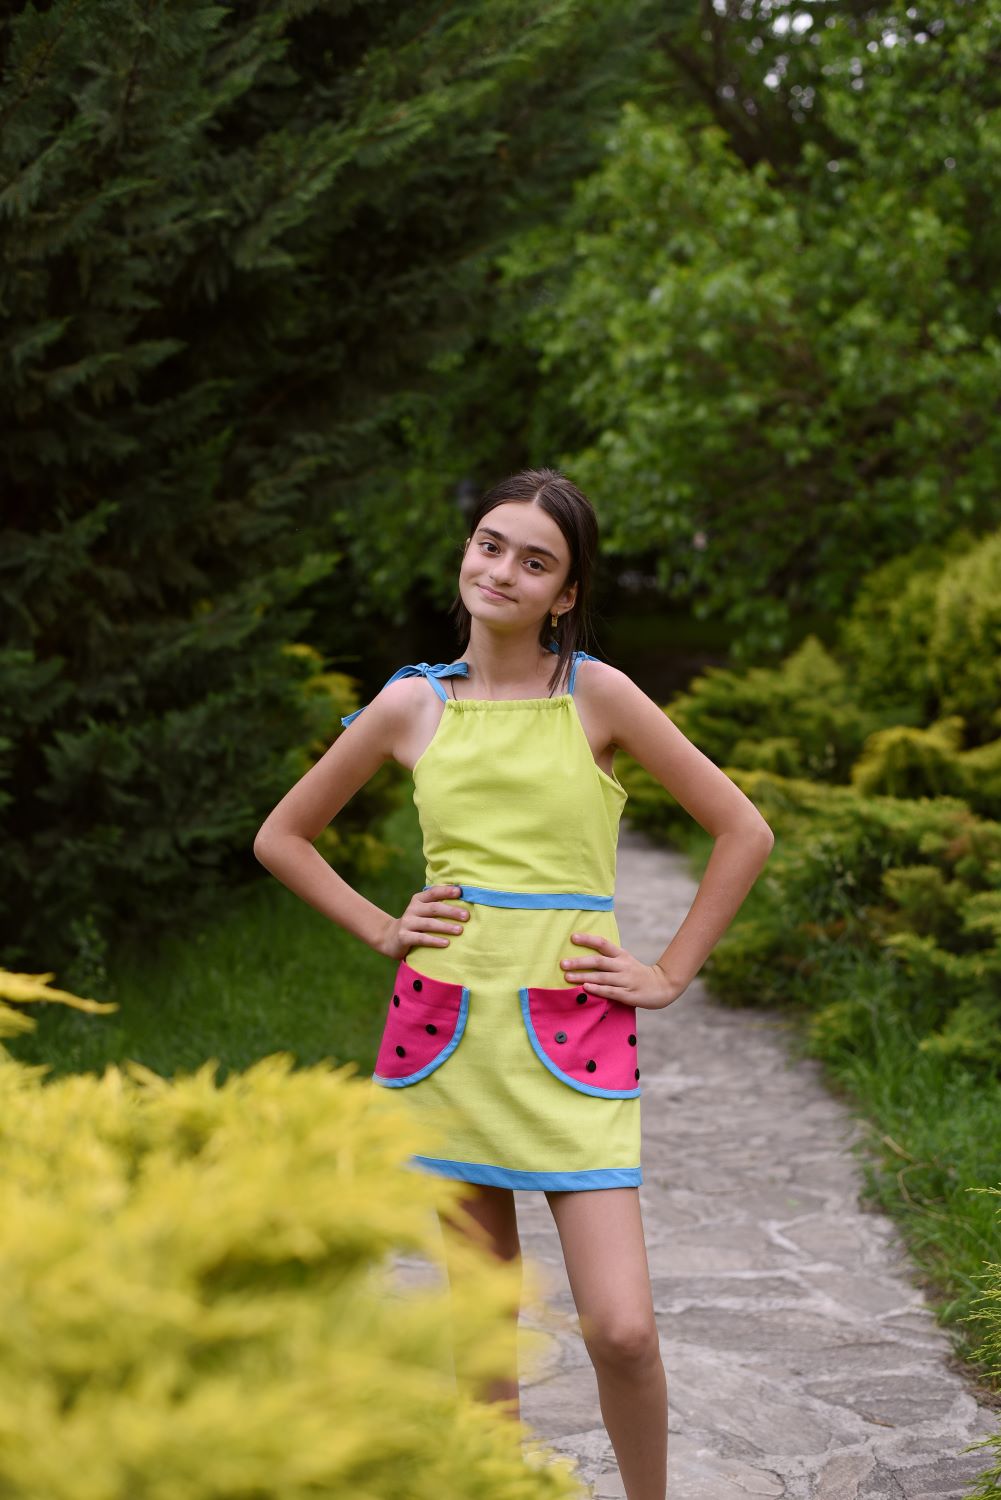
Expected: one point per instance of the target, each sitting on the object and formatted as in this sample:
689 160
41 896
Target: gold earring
553 618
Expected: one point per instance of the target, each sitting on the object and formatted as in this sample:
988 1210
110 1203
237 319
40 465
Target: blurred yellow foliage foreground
197 1296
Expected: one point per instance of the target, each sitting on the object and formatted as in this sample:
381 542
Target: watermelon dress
525 1080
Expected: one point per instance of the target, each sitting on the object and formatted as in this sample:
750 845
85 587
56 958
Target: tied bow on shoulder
419 669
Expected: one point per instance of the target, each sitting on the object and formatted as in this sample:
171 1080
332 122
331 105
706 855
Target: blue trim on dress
578 657
477 1171
439 1057
575 1083
531 900
422 669
461 669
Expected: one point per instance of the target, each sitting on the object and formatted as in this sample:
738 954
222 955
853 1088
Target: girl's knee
622 1342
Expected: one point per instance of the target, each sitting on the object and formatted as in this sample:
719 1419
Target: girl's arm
623 715
284 841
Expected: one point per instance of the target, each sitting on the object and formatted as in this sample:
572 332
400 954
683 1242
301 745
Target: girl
513 1021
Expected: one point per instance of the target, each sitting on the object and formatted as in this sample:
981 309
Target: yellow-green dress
531 1081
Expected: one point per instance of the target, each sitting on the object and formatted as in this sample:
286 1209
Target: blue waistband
568 900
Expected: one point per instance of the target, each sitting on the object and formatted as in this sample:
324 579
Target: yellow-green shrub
886 633
197 1297
924 635
905 762
801 718
348 842
964 647
911 886
902 761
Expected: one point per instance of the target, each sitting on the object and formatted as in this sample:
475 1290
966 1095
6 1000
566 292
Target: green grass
931 1158
272 976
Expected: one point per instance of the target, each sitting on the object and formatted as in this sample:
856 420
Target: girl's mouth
490 593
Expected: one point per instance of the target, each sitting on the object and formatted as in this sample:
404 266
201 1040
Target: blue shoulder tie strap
422 669
578 657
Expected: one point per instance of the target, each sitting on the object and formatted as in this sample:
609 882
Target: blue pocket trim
575 1083
439 1058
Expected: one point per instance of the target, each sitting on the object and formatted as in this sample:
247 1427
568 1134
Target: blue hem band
483 1172
565 900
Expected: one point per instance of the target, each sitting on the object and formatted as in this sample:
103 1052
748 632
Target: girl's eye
485 543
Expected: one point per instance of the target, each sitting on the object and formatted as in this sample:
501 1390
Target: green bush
923 637
964 647
801 718
906 762
197 1297
913 886
916 674
348 842
885 634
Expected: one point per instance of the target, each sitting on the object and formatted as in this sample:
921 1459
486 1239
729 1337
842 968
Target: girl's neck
501 668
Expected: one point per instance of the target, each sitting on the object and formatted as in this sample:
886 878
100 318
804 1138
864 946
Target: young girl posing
513 1022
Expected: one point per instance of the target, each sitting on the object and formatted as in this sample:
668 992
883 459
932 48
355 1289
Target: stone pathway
802 1359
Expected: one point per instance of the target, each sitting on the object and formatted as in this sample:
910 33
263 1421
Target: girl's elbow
262 842
766 836
757 831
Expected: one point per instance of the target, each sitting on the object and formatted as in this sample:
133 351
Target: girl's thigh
495 1222
601 1232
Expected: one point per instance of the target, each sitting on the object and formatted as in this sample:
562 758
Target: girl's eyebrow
530 548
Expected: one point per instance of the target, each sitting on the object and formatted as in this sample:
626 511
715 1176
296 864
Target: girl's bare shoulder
644 730
598 682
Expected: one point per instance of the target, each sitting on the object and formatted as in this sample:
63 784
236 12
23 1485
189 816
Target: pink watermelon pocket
424 1025
588 1042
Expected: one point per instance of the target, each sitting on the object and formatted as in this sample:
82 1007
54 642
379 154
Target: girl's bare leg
601 1232
493 1209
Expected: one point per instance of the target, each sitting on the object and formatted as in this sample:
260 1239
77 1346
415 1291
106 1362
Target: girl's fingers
433 897
439 924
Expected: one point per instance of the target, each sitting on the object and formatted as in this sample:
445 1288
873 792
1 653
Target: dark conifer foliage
235 241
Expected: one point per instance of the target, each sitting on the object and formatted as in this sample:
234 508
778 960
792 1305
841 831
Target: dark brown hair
574 514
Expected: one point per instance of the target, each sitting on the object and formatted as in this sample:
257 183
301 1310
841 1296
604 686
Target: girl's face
514 567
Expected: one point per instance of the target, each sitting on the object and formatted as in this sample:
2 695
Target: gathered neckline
554 702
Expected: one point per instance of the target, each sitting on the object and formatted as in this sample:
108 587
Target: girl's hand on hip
427 916
614 974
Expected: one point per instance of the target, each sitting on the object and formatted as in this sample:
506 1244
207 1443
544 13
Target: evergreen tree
241 245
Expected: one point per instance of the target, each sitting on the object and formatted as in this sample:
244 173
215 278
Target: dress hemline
491 1176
